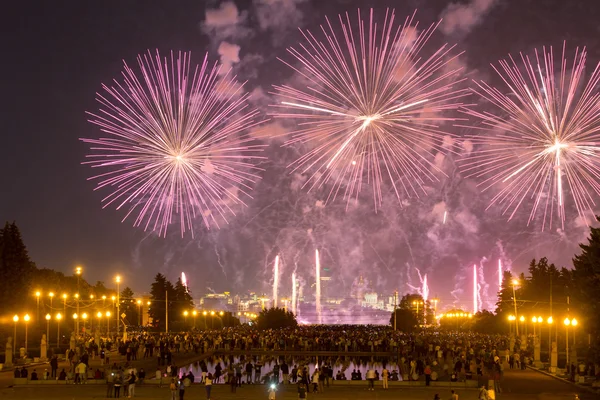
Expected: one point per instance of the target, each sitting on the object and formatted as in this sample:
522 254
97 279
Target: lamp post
15 319
51 294
435 303
185 314
550 321
515 283
522 320
212 320
48 316
37 300
58 318
99 315
510 319
204 313
194 313
78 272
26 318
118 279
64 296
139 303
417 303
567 322
84 317
107 323
75 318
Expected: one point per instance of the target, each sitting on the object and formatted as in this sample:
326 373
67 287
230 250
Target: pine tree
158 292
16 269
586 279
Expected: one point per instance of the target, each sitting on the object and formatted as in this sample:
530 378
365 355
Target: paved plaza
518 385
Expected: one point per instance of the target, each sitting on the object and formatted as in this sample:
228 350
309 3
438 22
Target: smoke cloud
460 18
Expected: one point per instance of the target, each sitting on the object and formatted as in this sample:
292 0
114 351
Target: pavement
531 385
517 385
222 392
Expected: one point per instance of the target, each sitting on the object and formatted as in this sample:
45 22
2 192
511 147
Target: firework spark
176 142
372 107
540 142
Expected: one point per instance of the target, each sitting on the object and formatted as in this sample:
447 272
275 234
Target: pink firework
176 143
539 140
371 108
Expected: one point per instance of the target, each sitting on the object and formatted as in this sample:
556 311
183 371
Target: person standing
385 375
117 385
454 395
173 389
208 385
371 378
181 390
131 386
427 375
301 390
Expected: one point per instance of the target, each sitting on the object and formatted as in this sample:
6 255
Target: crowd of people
244 355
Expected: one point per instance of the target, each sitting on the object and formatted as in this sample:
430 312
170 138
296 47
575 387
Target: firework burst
540 142
176 144
372 106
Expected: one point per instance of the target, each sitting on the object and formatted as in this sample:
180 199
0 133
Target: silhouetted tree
276 318
406 320
16 269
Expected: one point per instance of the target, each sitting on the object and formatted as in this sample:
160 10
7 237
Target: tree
182 300
158 292
586 279
276 318
406 320
16 269
129 306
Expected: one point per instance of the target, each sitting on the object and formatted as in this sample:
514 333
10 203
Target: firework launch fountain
499 275
318 287
425 289
294 293
275 280
475 290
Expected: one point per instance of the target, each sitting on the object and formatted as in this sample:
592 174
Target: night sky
57 54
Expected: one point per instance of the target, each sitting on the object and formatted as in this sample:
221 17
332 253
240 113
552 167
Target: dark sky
56 55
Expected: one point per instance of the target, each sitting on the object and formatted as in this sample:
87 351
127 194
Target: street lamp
84 317
99 315
417 303
58 318
204 313
435 303
48 316
510 319
212 320
51 294
118 279
37 299
77 320
15 319
26 319
194 313
139 303
78 272
107 323
515 282
567 322
64 296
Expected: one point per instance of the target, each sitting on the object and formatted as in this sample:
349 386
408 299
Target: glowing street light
58 318
26 318
185 314
48 317
515 282
194 313
37 299
107 323
51 294
15 319
118 279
